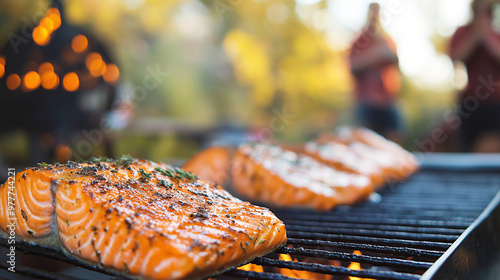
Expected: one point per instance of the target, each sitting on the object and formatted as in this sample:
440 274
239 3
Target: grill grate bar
335 270
374 233
381 221
353 257
396 214
415 214
256 275
415 229
408 206
402 251
373 240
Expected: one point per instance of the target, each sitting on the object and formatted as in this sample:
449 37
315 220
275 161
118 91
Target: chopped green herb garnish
165 184
177 173
124 160
144 174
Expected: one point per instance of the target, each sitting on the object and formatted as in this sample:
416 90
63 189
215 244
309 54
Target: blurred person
477 45
374 66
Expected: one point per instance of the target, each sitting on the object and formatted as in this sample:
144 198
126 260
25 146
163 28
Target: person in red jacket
374 66
477 45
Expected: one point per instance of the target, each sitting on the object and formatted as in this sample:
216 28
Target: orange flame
356 266
251 267
301 273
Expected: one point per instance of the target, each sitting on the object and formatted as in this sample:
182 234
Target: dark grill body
401 234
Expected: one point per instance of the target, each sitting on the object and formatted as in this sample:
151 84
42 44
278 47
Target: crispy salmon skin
146 219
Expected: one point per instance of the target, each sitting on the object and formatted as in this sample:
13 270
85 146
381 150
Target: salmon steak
398 163
144 219
274 176
211 164
341 157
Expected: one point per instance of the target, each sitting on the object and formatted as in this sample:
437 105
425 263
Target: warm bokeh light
13 81
45 67
94 63
53 11
79 43
50 80
31 80
62 153
71 82
40 35
55 17
2 66
47 23
112 73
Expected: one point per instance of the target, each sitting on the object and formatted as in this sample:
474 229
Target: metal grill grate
399 238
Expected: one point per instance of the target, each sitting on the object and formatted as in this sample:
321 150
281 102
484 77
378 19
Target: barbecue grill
442 223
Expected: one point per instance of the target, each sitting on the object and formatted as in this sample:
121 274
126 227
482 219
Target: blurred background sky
233 63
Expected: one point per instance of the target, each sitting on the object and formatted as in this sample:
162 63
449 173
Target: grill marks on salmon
279 177
340 156
140 217
397 163
321 174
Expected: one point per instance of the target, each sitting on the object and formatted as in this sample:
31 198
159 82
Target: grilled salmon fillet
339 156
211 164
284 178
398 162
140 217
